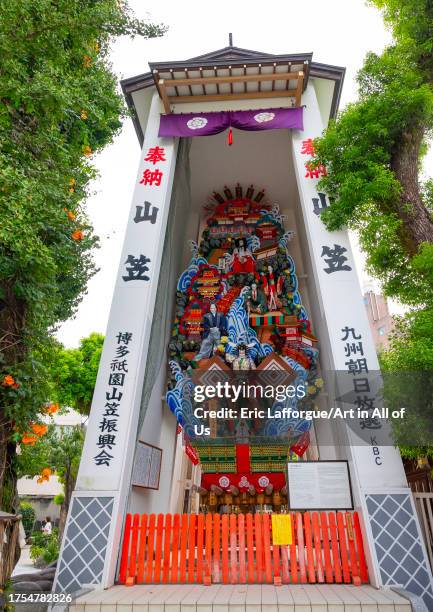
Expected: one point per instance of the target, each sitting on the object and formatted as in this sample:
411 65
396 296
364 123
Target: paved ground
25 564
242 598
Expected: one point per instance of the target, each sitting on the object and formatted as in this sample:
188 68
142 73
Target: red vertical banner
243 458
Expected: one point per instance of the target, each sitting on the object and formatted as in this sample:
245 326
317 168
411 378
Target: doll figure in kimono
272 288
256 301
243 261
214 326
242 362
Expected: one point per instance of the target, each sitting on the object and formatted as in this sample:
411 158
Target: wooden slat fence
234 549
424 506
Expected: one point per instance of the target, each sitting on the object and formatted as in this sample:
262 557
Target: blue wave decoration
239 330
179 399
187 275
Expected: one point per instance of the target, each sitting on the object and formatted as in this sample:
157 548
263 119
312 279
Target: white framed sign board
319 485
147 466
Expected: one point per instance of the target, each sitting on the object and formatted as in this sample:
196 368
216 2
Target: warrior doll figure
214 326
242 362
272 289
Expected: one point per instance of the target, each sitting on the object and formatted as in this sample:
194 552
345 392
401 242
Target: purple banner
207 124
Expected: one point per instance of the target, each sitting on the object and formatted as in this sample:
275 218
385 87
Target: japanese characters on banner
109 419
113 420
352 347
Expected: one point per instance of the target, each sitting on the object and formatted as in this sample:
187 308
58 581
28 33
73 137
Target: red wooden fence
233 549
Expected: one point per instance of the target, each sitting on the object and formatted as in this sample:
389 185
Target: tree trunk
12 321
417 221
69 484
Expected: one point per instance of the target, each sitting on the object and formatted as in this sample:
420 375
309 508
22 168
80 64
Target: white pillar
395 549
90 548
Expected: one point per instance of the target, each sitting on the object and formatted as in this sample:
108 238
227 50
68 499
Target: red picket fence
233 549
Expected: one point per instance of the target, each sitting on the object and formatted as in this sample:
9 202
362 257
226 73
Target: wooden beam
299 89
164 97
278 93
242 78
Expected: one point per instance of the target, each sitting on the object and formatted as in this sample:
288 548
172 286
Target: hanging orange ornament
77 235
87 150
84 115
70 215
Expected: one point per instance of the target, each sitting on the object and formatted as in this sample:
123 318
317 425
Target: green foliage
361 149
59 499
59 105
373 152
73 373
60 450
45 548
28 516
408 381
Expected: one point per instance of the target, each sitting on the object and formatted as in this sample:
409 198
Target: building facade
379 317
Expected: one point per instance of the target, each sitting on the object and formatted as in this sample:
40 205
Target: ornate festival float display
239 312
232 311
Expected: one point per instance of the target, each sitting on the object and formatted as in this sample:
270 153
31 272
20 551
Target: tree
73 373
59 106
57 452
373 153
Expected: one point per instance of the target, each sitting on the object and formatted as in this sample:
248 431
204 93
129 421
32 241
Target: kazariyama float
228 278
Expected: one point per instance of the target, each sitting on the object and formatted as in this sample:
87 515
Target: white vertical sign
350 337
112 428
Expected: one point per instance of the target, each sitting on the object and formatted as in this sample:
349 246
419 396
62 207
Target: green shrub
59 499
45 548
28 513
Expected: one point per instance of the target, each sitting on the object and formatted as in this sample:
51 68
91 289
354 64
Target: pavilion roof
234 73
